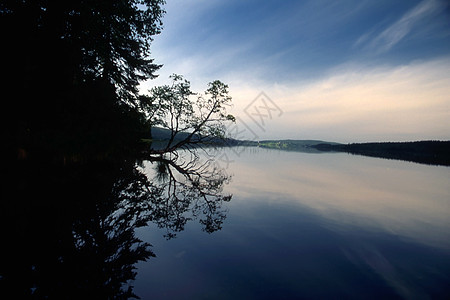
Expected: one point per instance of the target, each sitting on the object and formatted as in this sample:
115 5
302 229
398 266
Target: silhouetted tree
72 62
192 119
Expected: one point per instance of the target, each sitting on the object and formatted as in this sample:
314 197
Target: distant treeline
426 152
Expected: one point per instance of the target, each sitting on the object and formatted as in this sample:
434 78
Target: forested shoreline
425 152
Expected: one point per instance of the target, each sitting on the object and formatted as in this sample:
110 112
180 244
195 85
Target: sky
345 71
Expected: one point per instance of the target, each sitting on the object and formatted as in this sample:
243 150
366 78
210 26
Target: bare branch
197 122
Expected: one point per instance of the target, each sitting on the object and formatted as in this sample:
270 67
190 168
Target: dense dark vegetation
426 152
71 71
70 198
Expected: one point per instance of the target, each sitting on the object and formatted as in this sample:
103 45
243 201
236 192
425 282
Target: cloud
351 103
355 103
294 63
283 42
396 32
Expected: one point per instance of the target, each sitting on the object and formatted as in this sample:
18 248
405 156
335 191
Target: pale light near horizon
345 71
409 102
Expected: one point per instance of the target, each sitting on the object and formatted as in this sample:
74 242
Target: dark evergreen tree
72 64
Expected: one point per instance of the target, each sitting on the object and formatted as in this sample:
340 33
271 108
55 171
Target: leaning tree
192 119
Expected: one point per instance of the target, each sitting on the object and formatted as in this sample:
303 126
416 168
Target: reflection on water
69 231
314 226
406 199
299 226
190 188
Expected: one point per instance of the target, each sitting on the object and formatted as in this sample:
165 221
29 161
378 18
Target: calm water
252 224
304 225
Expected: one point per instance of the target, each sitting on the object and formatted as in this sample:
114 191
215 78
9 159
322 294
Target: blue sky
338 70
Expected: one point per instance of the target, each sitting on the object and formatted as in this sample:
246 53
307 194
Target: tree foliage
177 108
71 63
87 39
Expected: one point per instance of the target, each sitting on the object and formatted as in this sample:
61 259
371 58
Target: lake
303 225
241 223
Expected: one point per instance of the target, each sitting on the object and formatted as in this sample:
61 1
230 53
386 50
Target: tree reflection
192 189
69 232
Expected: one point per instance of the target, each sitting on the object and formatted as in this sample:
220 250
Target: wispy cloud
356 103
397 31
301 57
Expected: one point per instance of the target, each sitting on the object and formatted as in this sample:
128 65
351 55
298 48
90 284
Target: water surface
311 225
